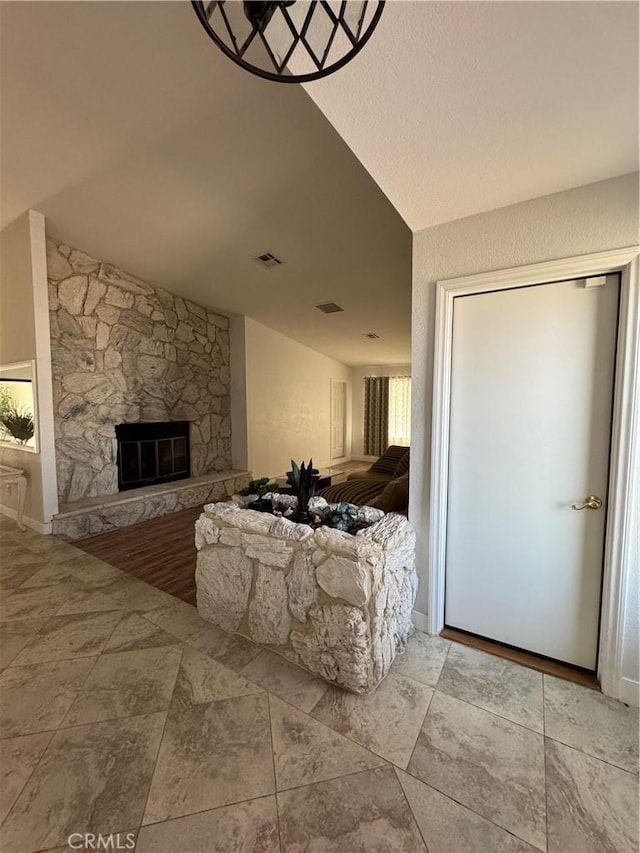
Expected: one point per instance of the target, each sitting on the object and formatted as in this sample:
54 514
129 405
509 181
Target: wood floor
160 552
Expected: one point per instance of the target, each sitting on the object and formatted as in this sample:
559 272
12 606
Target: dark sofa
385 485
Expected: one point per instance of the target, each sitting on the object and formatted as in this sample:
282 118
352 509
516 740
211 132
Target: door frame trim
335 382
623 495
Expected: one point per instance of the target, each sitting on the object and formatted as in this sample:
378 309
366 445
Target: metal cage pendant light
292 41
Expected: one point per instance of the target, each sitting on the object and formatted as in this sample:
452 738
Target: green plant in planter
260 487
17 422
302 480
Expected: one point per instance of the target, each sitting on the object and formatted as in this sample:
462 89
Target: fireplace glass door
150 453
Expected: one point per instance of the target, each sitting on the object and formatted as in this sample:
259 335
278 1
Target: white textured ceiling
457 108
143 145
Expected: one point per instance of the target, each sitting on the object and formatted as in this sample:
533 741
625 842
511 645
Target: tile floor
121 711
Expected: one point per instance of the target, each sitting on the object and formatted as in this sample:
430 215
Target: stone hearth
90 516
335 604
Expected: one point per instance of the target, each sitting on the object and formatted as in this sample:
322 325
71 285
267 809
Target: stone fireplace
126 353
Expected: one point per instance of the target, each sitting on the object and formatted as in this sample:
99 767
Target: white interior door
338 418
531 401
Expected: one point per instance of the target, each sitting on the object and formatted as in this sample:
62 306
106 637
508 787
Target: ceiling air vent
329 308
371 335
268 260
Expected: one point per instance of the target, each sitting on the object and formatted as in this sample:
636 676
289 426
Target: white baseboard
32 523
421 621
629 691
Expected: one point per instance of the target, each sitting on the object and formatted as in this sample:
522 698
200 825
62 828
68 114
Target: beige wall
358 375
587 219
17 325
288 398
24 335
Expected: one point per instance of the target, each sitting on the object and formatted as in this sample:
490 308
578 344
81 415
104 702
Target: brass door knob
590 502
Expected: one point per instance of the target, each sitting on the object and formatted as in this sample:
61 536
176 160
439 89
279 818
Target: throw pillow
402 466
395 497
388 462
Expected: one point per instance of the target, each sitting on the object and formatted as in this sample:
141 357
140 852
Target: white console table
10 476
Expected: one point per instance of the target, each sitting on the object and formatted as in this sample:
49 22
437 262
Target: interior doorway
623 492
338 418
532 374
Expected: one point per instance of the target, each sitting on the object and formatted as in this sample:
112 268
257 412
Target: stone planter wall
123 351
335 604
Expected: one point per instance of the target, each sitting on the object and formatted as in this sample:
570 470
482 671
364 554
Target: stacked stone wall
337 605
125 352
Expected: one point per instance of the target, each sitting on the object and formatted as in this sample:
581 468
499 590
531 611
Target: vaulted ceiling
456 108
142 144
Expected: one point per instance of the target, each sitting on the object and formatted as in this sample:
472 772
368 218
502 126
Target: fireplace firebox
151 453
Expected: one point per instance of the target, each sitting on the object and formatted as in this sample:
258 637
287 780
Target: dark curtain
376 415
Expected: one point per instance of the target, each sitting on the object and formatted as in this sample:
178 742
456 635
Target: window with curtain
376 415
400 410
387 413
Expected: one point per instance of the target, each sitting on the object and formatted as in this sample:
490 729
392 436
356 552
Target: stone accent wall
126 352
337 605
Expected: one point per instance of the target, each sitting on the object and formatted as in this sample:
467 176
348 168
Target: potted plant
17 422
297 502
302 480
259 487
255 493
